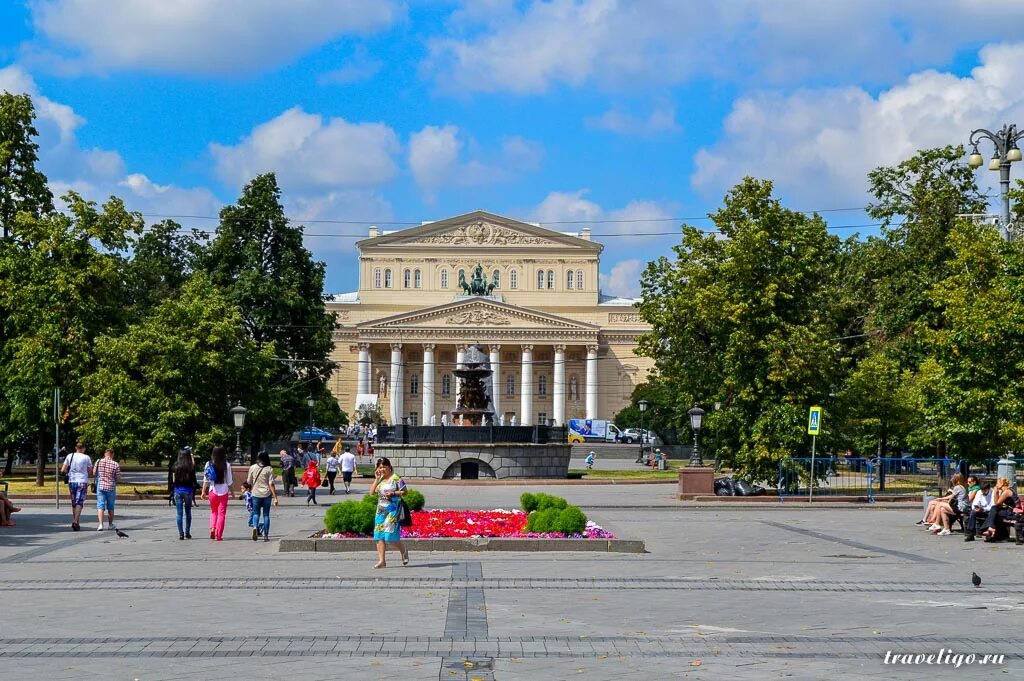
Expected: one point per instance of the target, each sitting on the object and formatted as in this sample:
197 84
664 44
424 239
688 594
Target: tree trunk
9 465
42 454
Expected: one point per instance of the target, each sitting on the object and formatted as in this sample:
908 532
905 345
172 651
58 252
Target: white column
526 392
363 382
428 383
395 390
460 357
592 382
495 359
559 388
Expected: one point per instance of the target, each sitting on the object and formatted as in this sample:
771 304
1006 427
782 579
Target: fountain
474 406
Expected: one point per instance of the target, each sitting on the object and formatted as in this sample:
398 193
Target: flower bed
463 524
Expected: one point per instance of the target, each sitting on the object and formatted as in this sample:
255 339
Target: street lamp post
642 404
309 403
238 413
1005 141
696 418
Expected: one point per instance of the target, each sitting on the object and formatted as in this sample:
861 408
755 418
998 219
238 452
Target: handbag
64 474
404 516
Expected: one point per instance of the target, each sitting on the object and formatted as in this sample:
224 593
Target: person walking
287 471
78 468
360 449
217 478
261 478
389 489
183 490
108 472
332 471
311 479
348 467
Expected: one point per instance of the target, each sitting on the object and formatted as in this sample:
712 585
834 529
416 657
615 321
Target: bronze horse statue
478 285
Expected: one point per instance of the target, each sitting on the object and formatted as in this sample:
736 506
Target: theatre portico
558 347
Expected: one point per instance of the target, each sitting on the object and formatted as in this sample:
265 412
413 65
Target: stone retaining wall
506 460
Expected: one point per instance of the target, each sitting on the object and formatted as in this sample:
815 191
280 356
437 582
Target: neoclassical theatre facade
559 349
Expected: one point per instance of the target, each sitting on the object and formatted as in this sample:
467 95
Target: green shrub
350 516
370 499
541 501
568 520
414 499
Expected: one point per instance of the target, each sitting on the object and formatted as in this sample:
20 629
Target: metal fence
835 476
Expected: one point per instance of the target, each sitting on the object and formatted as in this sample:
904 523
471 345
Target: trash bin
662 465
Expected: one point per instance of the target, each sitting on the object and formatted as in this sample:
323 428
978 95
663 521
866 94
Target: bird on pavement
121 535
975 579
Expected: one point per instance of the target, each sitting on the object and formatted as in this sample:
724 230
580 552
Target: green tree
163 258
259 260
167 380
22 186
743 318
63 288
660 417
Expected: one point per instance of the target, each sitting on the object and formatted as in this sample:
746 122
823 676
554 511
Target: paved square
724 592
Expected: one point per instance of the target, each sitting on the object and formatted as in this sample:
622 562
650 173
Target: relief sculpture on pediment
484 234
478 317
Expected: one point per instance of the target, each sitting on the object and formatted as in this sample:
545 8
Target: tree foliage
22 186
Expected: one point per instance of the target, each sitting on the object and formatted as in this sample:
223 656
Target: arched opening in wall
468 469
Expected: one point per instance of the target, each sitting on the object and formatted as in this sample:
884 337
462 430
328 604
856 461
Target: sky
628 116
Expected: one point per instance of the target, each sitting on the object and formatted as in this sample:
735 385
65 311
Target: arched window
417 279
387 278
510 386
497 279
376 277
540 278
542 385
444 278
513 279
414 384
579 280
568 279
406 279
551 279
446 385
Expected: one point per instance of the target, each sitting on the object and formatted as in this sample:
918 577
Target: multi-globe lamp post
1006 152
696 420
238 413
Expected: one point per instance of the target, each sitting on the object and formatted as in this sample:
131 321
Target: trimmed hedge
540 501
356 517
414 499
548 513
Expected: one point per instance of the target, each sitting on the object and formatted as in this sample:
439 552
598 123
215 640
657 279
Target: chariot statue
478 285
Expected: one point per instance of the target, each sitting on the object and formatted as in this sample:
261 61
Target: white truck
592 430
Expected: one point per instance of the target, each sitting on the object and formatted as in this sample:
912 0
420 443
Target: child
589 461
311 479
247 496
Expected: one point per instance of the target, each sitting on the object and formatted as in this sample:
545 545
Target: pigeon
122 535
975 579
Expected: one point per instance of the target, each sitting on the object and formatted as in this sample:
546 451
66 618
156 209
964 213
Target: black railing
405 434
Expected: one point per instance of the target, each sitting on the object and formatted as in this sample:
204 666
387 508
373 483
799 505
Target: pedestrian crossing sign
814 422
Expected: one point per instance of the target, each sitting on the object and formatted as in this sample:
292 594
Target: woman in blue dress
389 489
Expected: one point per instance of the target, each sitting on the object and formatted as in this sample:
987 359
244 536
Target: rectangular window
446 385
542 418
568 279
444 278
417 279
551 279
406 279
376 277
414 418
579 280
414 385
513 279
510 386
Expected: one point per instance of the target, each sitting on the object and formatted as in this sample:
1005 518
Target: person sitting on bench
1004 507
981 505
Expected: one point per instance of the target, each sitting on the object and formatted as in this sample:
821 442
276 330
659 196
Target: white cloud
661 119
819 144
307 151
197 36
96 173
623 280
638 217
436 158
620 44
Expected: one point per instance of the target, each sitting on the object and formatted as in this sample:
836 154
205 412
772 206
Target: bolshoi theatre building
527 296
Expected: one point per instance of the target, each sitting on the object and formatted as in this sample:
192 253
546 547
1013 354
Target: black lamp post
238 413
309 403
642 405
696 418
1006 152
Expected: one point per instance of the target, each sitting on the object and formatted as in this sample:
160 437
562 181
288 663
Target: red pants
218 514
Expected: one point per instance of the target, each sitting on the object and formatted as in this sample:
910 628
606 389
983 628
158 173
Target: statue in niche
382 386
574 391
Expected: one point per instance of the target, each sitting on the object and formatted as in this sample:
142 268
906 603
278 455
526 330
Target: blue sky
627 115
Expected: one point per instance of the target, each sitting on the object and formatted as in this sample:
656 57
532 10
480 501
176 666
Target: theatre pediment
476 313
481 230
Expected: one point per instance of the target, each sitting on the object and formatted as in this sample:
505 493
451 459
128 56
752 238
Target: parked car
631 435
